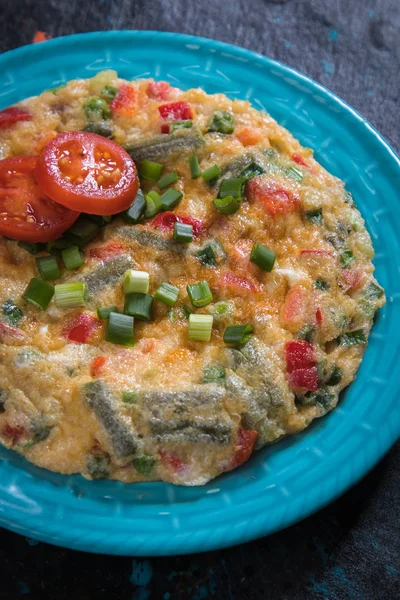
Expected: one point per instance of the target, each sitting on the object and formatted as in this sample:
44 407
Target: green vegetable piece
314 216
194 167
72 257
263 257
32 248
167 180
150 170
100 128
336 376
322 397
48 267
129 396
207 256
232 187
352 338
138 306
109 92
97 466
144 464
96 108
200 327
321 284
71 295
163 145
187 311
101 220
200 294
238 335
211 173
223 309
167 293
13 313
227 205
306 333
347 257
39 293
251 171
136 210
57 245
222 122
373 291
213 374
120 329
104 312
82 231
153 204
180 125
170 198
294 173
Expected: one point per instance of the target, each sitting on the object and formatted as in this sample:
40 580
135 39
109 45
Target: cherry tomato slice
13 114
87 172
26 213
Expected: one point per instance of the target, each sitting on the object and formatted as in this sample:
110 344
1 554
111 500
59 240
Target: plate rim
360 468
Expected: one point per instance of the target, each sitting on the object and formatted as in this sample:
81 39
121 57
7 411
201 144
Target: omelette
181 282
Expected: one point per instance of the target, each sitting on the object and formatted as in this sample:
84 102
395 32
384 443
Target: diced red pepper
293 310
238 284
13 114
164 127
353 278
167 220
275 199
301 365
97 365
14 434
172 461
108 251
176 111
318 316
124 103
159 90
81 328
300 160
244 447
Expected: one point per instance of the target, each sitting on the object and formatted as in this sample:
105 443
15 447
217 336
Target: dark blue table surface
351 549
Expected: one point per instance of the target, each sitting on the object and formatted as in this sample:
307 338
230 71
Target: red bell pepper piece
124 103
167 220
176 111
300 160
164 127
172 461
108 251
14 434
275 199
243 449
81 328
318 316
13 114
353 278
97 365
301 365
238 284
304 378
294 308
159 90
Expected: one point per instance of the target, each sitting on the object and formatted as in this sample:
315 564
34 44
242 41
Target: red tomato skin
275 199
159 90
108 251
176 111
124 103
244 447
40 219
81 328
300 160
97 364
238 284
12 115
167 220
172 461
88 196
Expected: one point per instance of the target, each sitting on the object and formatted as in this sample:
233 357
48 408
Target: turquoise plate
290 480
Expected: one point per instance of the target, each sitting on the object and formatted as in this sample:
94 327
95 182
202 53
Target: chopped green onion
100 128
200 327
32 248
120 329
271 153
306 332
70 295
232 187
96 108
263 257
335 377
352 338
373 291
252 170
138 306
72 257
194 167
213 374
180 125
170 198
183 232
207 256
321 284
238 335
48 267
136 210
57 245
322 397
222 122
150 170
100 220
167 180
109 92
39 293
294 173
129 396
227 205
314 216
347 257
187 311
144 464
12 312
199 294
153 204
223 309
167 293
136 281
211 173
104 311
82 231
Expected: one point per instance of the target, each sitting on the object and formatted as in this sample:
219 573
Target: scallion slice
187 124
238 335
232 187
213 374
167 179
314 216
207 256
167 293
48 267
32 247
138 306
199 294
294 174
136 210
70 295
183 232
200 327
103 312
120 329
136 282
170 198
227 205
194 167
252 170
347 257
101 220
153 204
129 396
150 170
39 293
211 173
263 257
352 338
72 257
82 231
222 122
